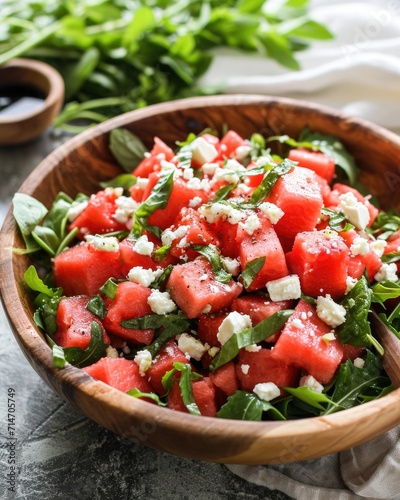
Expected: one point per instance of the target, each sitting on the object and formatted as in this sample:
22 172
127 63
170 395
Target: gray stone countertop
59 453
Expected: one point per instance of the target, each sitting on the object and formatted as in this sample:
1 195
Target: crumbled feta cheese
272 211
245 369
126 206
355 211
387 272
213 351
251 224
350 284
167 237
329 311
191 346
359 246
103 243
207 309
297 323
267 391
378 246
229 176
198 184
203 151
253 348
76 209
143 359
286 288
143 276
142 182
232 266
203 277
161 302
111 352
143 246
312 383
195 202
188 174
209 168
216 210
242 151
359 363
233 323
328 337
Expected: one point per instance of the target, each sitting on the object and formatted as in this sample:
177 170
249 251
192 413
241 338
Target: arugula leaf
244 405
185 384
126 148
249 336
158 199
28 213
151 395
310 397
251 270
96 306
94 351
385 224
351 382
385 290
211 253
356 330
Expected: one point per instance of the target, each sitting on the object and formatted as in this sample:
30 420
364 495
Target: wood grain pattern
78 166
27 126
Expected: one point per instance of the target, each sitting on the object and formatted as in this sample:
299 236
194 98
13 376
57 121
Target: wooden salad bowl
78 166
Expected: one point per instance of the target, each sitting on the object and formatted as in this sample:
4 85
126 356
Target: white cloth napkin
359 73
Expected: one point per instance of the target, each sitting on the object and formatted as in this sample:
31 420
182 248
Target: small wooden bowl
26 126
85 160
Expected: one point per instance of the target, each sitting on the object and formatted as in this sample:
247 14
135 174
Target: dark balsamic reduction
19 99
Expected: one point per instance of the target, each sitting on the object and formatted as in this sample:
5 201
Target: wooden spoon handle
391 358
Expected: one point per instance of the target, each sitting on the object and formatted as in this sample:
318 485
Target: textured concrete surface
59 453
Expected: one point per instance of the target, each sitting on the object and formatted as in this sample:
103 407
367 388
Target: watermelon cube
320 163
195 289
225 378
204 395
301 344
163 362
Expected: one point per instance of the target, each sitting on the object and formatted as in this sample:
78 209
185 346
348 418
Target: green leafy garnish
244 405
109 289
185 384
93 352
150 395
251 270
249 336
125 181
336 220
211 253
265 187
310 397
126 148
96 306
28 213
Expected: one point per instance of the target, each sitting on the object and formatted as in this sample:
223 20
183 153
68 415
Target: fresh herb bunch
119 56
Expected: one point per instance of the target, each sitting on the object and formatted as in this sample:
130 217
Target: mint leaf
211 253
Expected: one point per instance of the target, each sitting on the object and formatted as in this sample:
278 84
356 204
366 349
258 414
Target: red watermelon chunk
298 194
264 242
343 188
320 163
130 302
203 394
152 162
260 366
74 323
163 362
98 216
225 378
120 373
359 263
207 328
301 344
320 259
194 288
82 269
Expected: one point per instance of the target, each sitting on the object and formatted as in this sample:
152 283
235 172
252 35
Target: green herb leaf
385 290
96 306
336 220
185 384
109 289
210 252
127 148
249 336
223 192
312 398
94 351
151 395
242 406
251 270
125 181
28 213
265 187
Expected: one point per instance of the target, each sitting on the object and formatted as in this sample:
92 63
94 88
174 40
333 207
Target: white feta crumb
142 182
233 323
329 337
203 151
226 175
378 246
103 243
195 202
111 352
272 211
359 363
350 284
143 246
143 359
161 302
209 168
387 272
216 210
203 277
126 206
76 209
286 288
245 369
355 211
267 391
359 246
251 224
332 313
312 383
241 152
213 351
207 309
253 348
232 266
188 174
297 323
143 276
191 346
